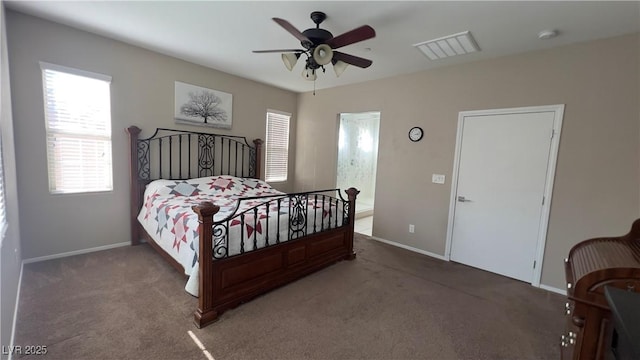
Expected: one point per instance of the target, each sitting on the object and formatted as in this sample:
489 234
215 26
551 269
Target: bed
197 199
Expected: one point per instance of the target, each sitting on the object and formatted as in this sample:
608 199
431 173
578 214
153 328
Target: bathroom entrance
358 156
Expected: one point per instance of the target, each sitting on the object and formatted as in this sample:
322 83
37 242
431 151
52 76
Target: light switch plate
437 179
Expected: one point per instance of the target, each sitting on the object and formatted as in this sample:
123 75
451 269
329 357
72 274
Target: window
78 125
3 214
277 146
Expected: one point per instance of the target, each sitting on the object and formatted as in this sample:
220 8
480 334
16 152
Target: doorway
501 193
357 159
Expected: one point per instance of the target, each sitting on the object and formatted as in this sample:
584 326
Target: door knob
463 199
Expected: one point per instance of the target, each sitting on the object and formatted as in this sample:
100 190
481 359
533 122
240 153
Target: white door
502 172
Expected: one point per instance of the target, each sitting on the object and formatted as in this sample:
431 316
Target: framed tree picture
195 105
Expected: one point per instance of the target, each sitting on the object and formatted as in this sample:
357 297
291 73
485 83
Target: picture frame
196 105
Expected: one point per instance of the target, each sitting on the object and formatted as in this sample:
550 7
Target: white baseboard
76 252
363 214
49 257
441 257
410 248
553 289
15 312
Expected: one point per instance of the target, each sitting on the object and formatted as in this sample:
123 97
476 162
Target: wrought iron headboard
180 155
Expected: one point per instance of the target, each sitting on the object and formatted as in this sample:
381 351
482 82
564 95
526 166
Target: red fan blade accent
280 51
353 60
293 31
362 33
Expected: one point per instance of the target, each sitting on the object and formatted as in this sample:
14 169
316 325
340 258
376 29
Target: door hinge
553 132
534 264
543 200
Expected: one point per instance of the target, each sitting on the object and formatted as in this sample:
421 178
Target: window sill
96 192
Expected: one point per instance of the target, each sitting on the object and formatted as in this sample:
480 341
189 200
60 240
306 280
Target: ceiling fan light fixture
309 74
322 54
339 67
290 60
318 47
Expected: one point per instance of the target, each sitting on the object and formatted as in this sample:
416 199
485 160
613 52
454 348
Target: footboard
230 275
313 229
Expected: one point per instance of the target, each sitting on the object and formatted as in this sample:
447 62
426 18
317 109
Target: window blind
77 107
3 214
277 146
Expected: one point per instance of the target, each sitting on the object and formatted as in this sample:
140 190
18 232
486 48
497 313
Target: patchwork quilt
167 216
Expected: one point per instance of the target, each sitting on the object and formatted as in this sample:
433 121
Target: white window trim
4 222
88 74
54 67
278 112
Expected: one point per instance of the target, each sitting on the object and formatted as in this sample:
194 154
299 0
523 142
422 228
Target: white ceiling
221 34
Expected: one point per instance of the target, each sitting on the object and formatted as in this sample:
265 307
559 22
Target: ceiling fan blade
293 31
359 34
351 59
280 51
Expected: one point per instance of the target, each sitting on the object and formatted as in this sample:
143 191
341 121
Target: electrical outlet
437 178
412 228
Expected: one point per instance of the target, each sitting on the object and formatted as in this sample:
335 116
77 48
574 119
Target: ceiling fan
319 47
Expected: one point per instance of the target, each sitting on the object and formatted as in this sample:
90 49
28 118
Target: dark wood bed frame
227 281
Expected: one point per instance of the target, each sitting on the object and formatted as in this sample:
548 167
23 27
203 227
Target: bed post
258 143
352 193
205 313
134 184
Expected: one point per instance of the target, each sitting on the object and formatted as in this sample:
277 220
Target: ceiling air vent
451 45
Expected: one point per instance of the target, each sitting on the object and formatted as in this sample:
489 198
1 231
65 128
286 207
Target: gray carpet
389 303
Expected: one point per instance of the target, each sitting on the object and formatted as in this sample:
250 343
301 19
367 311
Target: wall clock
416 134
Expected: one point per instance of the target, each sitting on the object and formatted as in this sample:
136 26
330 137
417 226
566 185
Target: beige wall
10 251
596 190
142 94
596 187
